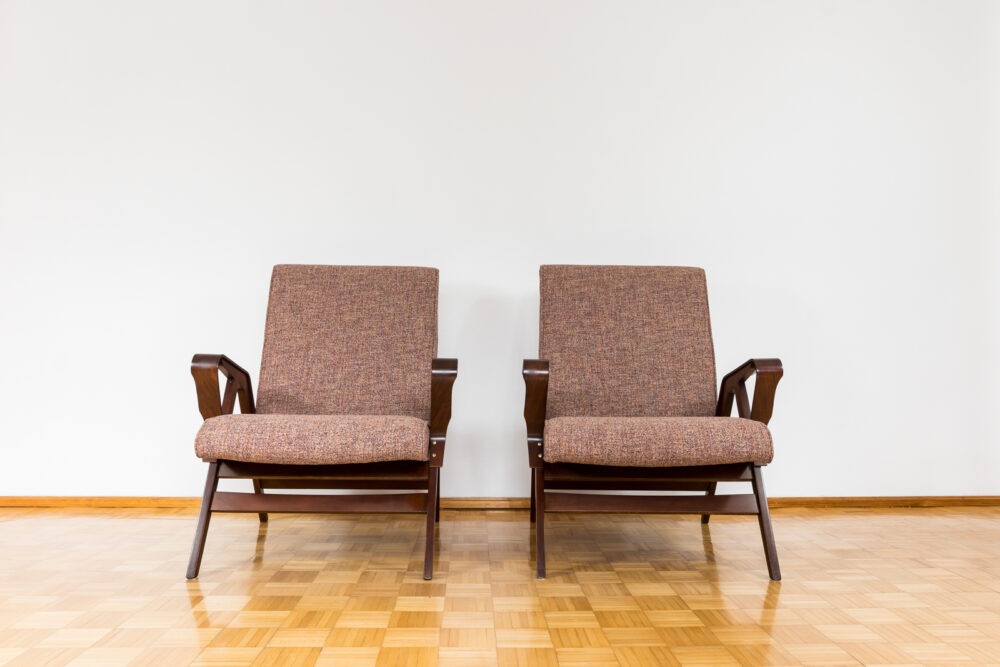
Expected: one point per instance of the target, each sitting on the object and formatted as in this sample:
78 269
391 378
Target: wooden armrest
734 385
205 369
443 374
536 391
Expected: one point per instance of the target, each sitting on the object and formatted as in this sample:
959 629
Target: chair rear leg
433 479
531 515
710 491
201 532
764 518
437 511
540 521
258 488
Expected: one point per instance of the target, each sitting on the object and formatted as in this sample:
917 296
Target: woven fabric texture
313 439
343 340
627 341
656 441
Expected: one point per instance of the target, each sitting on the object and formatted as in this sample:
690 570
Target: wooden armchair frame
422 477
547 477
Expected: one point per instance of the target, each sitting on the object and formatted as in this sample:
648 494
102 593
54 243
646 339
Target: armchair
352 397
624 399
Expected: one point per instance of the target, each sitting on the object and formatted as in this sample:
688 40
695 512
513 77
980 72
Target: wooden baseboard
485 503
847 502
100 501
876 502
194 502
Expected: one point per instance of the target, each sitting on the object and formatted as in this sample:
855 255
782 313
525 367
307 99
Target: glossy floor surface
860 587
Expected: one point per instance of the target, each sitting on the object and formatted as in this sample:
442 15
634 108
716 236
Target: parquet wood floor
107 587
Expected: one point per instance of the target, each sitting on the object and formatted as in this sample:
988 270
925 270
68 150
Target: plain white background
832 165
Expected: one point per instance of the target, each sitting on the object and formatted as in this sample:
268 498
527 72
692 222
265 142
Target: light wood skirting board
514 503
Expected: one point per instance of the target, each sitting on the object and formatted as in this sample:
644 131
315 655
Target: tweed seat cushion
656 441
313 439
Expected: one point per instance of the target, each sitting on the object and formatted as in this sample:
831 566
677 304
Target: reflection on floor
860 587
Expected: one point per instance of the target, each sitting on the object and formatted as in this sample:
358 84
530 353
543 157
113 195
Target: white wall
832 165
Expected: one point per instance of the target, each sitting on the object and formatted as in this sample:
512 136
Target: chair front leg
539 474
201 532
764 518
433 479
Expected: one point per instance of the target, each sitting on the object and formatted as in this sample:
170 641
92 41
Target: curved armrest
205 370
536 392
734 385
443 374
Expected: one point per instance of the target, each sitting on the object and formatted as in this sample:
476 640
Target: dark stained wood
572 472
414 470
394 475
710 491
431 506
257 488
415 484
540 521
289 502
764 519
531 507
568 476
205 369
744 503
697 478
733 386
443 374
536 390
623 485
204 516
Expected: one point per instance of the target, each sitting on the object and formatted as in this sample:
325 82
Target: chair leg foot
258 488
710 491
764 518
433 479
204 516
539 487
531 510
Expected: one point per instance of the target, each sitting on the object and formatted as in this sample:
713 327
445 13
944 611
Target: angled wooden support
734 386
204 516
764 519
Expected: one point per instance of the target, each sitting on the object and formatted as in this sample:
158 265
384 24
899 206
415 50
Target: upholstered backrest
349 340
627 341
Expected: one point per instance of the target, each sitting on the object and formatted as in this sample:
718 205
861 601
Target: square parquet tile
107 587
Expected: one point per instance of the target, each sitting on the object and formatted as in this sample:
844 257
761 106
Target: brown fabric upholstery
349 340
656 441
313 439
627 341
